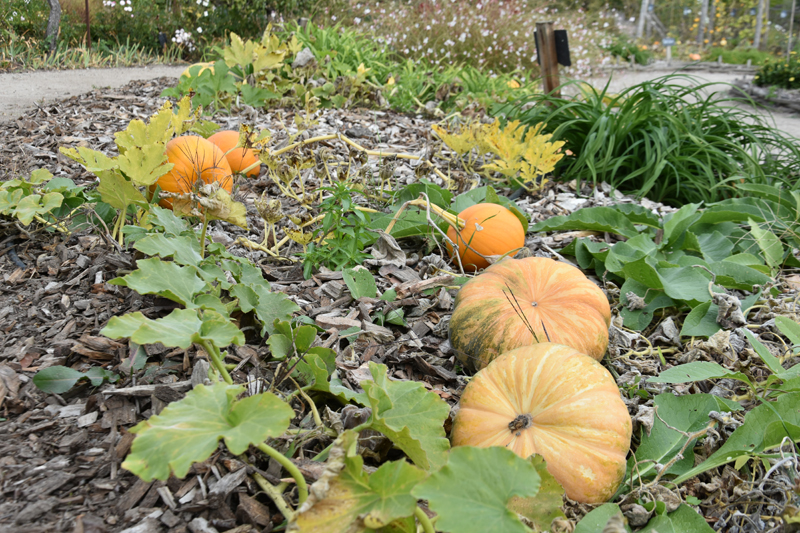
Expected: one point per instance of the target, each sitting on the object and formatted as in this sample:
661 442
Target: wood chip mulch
60 455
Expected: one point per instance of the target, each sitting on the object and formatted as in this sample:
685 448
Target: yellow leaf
461 143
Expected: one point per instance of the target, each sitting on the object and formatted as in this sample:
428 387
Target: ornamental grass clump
670 139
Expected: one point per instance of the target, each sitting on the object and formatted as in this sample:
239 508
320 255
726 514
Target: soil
61 455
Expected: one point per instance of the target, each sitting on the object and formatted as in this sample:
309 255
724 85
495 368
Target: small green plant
343 235
56 203
623 48
783 72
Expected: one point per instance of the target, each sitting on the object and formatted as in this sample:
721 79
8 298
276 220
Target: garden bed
61 455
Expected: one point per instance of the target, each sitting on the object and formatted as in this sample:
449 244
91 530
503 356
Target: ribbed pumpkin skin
578 422
193 157
240 158
500 233
484 323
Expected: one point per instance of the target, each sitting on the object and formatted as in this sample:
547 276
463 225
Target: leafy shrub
623 48
739 56
780 72
663 140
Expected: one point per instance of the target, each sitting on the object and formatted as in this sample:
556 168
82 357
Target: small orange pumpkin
238 158
555 401
195 159
486 319
490 230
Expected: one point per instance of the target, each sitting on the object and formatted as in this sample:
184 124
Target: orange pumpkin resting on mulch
194 158
496 310
551 400
491 230
238 158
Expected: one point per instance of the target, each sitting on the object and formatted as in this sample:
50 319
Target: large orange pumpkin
552 400
195 159
490 230
487 318
238 158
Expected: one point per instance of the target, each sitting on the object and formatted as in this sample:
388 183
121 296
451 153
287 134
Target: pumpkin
552 400
490 230
551 295
238 158
193 158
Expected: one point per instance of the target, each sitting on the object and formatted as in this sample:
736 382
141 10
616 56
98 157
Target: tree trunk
759 22
701 30
642 16
53 23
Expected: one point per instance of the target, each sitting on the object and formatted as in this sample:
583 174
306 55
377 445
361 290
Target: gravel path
21 91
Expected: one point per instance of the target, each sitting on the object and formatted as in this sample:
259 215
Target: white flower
357 20
199 30
205 13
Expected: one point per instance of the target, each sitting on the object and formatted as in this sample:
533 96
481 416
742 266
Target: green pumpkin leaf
543 508
188 431
180 328
684 518
474 490
410 416
347 499
770 245
318 369
185 250
165 278
597 519
605 219
272 306
686 413
118 192
697 371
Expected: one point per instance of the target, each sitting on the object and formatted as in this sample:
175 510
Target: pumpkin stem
203 236
520 422
450 218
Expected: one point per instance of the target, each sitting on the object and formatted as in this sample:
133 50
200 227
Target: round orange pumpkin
551 295
238 158
555 401
490 230
195 159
